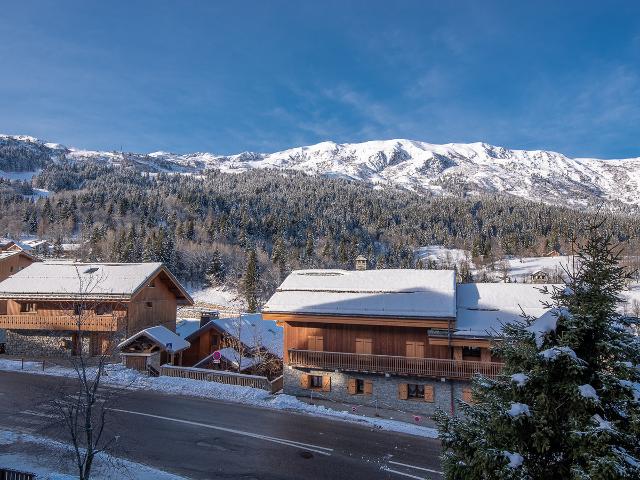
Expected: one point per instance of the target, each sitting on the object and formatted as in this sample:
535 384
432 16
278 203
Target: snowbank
118 376
55 460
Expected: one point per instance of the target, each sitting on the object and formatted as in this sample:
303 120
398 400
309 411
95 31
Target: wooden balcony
90 323
420 367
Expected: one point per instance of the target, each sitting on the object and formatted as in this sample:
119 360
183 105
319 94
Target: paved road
208 439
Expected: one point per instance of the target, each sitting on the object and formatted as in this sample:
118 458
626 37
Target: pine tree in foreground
567 405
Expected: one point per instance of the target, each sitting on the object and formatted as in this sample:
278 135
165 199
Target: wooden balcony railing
422 367
90 323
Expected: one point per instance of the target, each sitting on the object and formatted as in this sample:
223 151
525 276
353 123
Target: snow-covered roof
381 293
250 329
10 253
162 336
62 280
231 356
484 307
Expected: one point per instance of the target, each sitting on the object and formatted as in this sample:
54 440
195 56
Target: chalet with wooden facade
245 344
13 261
402 339
57 308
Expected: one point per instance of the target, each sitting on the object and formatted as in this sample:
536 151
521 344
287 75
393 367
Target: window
214 341
316 381
77 309
364 345
315 343
104 309
415 349
149 304
152 284
415 391
359 385
11 269
27 307
471 352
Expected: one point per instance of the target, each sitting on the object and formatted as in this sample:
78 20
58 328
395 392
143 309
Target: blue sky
267 75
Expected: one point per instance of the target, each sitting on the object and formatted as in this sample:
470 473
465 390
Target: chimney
207 315
361 262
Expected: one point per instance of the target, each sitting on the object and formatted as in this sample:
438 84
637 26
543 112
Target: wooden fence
427 367
219 376
7 474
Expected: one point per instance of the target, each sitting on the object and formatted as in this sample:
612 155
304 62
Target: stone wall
385 390
39 343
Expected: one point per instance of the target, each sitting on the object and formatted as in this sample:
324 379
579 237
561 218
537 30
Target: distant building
13 261
540 276
58 308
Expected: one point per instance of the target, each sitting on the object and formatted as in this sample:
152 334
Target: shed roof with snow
72 280
161 336
379 293
484 307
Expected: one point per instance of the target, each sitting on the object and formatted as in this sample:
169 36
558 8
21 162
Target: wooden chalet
12 261
109 300
361 330
245 344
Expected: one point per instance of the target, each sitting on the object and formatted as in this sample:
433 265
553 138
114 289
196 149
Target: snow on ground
521 268
219 297
442 256
23 176
55 460
118 376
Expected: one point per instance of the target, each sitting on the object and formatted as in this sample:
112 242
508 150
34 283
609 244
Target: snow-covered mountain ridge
454 168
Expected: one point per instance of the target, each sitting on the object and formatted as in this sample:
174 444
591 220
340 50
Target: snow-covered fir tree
567 405
216 270
250 281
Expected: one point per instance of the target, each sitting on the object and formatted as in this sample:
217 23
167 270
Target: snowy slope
418 166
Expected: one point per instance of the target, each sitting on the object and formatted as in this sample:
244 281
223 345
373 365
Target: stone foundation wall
37 343
385 390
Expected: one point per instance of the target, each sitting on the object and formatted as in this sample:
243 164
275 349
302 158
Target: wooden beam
460 342
357 320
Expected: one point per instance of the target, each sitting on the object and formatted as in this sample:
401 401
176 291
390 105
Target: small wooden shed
152 347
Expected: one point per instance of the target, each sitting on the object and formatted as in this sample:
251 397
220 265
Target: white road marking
387 469
282 441
38 414
417 468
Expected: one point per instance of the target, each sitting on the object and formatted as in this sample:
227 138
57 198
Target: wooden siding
342 338
202 347
161 312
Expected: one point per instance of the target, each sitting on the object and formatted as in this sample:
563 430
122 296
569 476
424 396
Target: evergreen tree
250 281
567 404
216 270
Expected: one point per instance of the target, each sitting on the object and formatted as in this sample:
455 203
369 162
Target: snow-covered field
118 376
442 256
54 460
221 298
